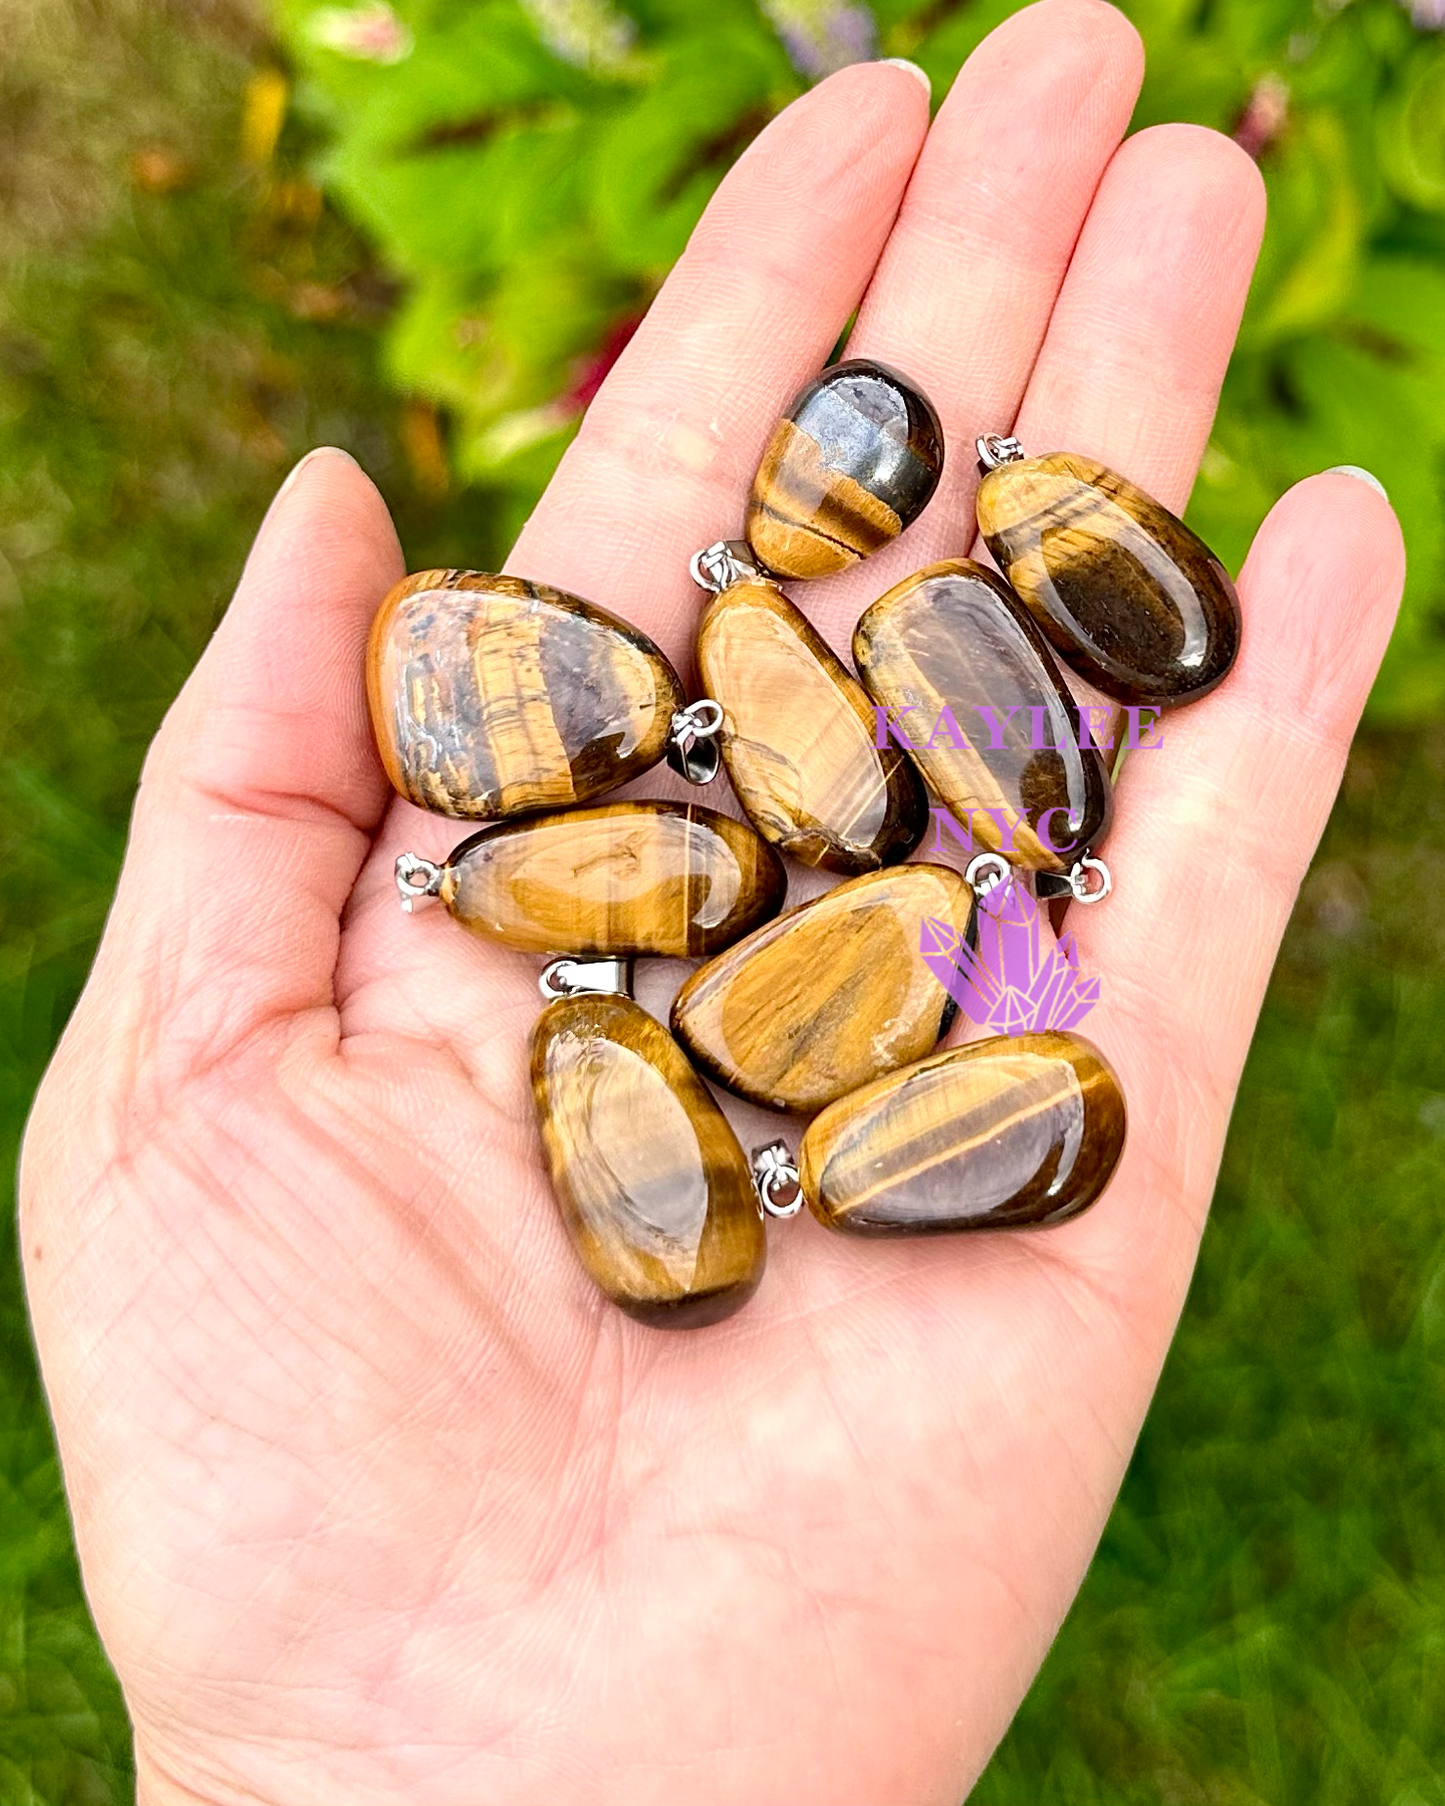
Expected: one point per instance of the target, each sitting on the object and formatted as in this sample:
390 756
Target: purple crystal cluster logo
1013 982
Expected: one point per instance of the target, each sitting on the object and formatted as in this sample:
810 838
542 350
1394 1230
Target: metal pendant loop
1090 881
725 562
998 448
418 881
987 870
692 746
775 1175
574 976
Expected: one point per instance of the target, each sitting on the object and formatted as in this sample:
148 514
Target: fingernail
902 62
1361 475
312 457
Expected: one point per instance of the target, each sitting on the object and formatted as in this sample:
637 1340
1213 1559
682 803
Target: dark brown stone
1128 595
854 461
954 637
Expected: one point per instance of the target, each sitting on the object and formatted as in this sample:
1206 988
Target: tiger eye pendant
854 461
1126 594
654 1189
619 880
493 697
798 737
829 996
1018 1131
965 676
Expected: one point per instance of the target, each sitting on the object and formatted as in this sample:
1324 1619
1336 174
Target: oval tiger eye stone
1013 1132
828 997
653 1187
852 463
626 879
492 696
1127 594
798 737
949 642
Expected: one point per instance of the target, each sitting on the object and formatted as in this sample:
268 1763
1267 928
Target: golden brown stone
953 637
1124 591
1016 1131
492 696
854 461
625 879
652 1185
798 737
828 997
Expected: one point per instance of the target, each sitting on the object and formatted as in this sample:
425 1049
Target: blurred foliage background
227 233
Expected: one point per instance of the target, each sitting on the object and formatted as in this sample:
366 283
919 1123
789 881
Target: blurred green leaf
1412 131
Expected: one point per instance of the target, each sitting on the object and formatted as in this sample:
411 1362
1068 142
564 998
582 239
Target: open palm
377 1500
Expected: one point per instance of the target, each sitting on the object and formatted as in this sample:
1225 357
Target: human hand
377 1500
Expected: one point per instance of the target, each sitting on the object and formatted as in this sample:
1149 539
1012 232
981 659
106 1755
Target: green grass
1266 1618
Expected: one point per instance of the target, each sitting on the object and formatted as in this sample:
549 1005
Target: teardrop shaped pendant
1128 596
654 1189
798 738
964 677
494 697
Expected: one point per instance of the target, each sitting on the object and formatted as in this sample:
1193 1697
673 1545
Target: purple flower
1012 983
821 36
1429 15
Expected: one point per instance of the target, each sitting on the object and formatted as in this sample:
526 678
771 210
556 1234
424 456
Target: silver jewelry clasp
574 976
1089 882
692 745
418 881
775 1177
725 562
999 448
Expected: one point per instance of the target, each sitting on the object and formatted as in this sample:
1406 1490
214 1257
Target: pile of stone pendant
514 706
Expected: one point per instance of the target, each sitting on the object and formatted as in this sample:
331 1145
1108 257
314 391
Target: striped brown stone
653 1187
799 740
620 879
493 697
853 462
1127 595
829 996
1013 1132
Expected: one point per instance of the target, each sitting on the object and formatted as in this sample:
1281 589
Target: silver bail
1089 882
986 870
998 448
775 1177
693 751
574 976
418 882
725 562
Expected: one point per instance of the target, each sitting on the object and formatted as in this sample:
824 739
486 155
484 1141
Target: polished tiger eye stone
1126 593
854 461
653 1187
625 879
1013 1132
828 997
953 638
799 740
492 696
